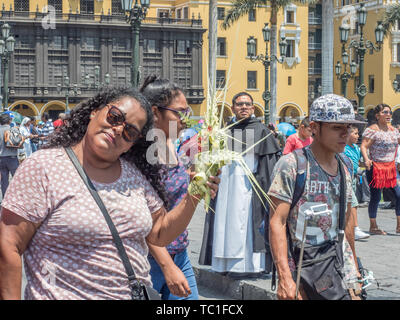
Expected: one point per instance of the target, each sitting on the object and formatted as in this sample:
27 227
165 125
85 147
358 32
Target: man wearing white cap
311 231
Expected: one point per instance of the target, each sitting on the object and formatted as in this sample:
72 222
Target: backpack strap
301 177
299 186
347 162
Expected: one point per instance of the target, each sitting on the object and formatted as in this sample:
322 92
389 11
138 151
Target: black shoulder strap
342 198
301 177
117 240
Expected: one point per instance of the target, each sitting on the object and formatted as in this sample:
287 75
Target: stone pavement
378 253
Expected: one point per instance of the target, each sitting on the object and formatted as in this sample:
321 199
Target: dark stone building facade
78 43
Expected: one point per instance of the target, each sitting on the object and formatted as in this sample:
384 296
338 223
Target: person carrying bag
310 233
139 291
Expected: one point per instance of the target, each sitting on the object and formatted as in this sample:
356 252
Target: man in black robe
267 154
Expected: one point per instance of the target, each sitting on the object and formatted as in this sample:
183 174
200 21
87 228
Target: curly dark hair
379 108
75 125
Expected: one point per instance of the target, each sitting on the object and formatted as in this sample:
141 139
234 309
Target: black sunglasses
116 117
182 113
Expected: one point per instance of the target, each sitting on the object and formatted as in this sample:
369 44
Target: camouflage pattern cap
332 108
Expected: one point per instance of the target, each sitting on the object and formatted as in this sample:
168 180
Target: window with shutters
163 13
25 72
56 4
398 52
21 5
221 47
371 83
252 15
151 46
87 6
221 13
121 61
57 58
221 78
251 79
90 56
24 60
116 7
183 47
289 16
291 47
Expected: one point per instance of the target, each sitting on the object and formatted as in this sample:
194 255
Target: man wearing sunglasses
237 245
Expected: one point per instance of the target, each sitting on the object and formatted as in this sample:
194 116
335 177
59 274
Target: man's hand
176 281
287 290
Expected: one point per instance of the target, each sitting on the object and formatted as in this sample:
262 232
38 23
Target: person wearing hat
330 119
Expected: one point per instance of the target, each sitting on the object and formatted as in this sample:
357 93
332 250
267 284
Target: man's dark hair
354 127
5 119
305 122
45 116
239 95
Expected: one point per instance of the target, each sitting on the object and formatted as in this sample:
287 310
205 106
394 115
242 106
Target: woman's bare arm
166 227
15 235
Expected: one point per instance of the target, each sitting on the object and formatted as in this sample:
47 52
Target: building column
39 58
327 45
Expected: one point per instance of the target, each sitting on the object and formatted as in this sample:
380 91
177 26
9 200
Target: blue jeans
8 165
157 277
376 197
34 146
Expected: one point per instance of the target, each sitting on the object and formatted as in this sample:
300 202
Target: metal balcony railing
314 45
117 18
314 19
314 70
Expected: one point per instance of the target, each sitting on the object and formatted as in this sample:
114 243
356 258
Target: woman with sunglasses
381 140
171 271
49 215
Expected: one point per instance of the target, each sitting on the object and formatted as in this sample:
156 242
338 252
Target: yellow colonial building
90 34
234 67
380 68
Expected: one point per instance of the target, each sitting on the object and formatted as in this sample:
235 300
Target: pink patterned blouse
384 146
72 254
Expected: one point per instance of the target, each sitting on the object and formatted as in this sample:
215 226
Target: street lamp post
97 84
345 76
7 44
136 14
69 88
266 61
361 46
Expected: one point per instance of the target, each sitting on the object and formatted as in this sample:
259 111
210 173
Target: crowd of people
333 133
311 177
29 137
